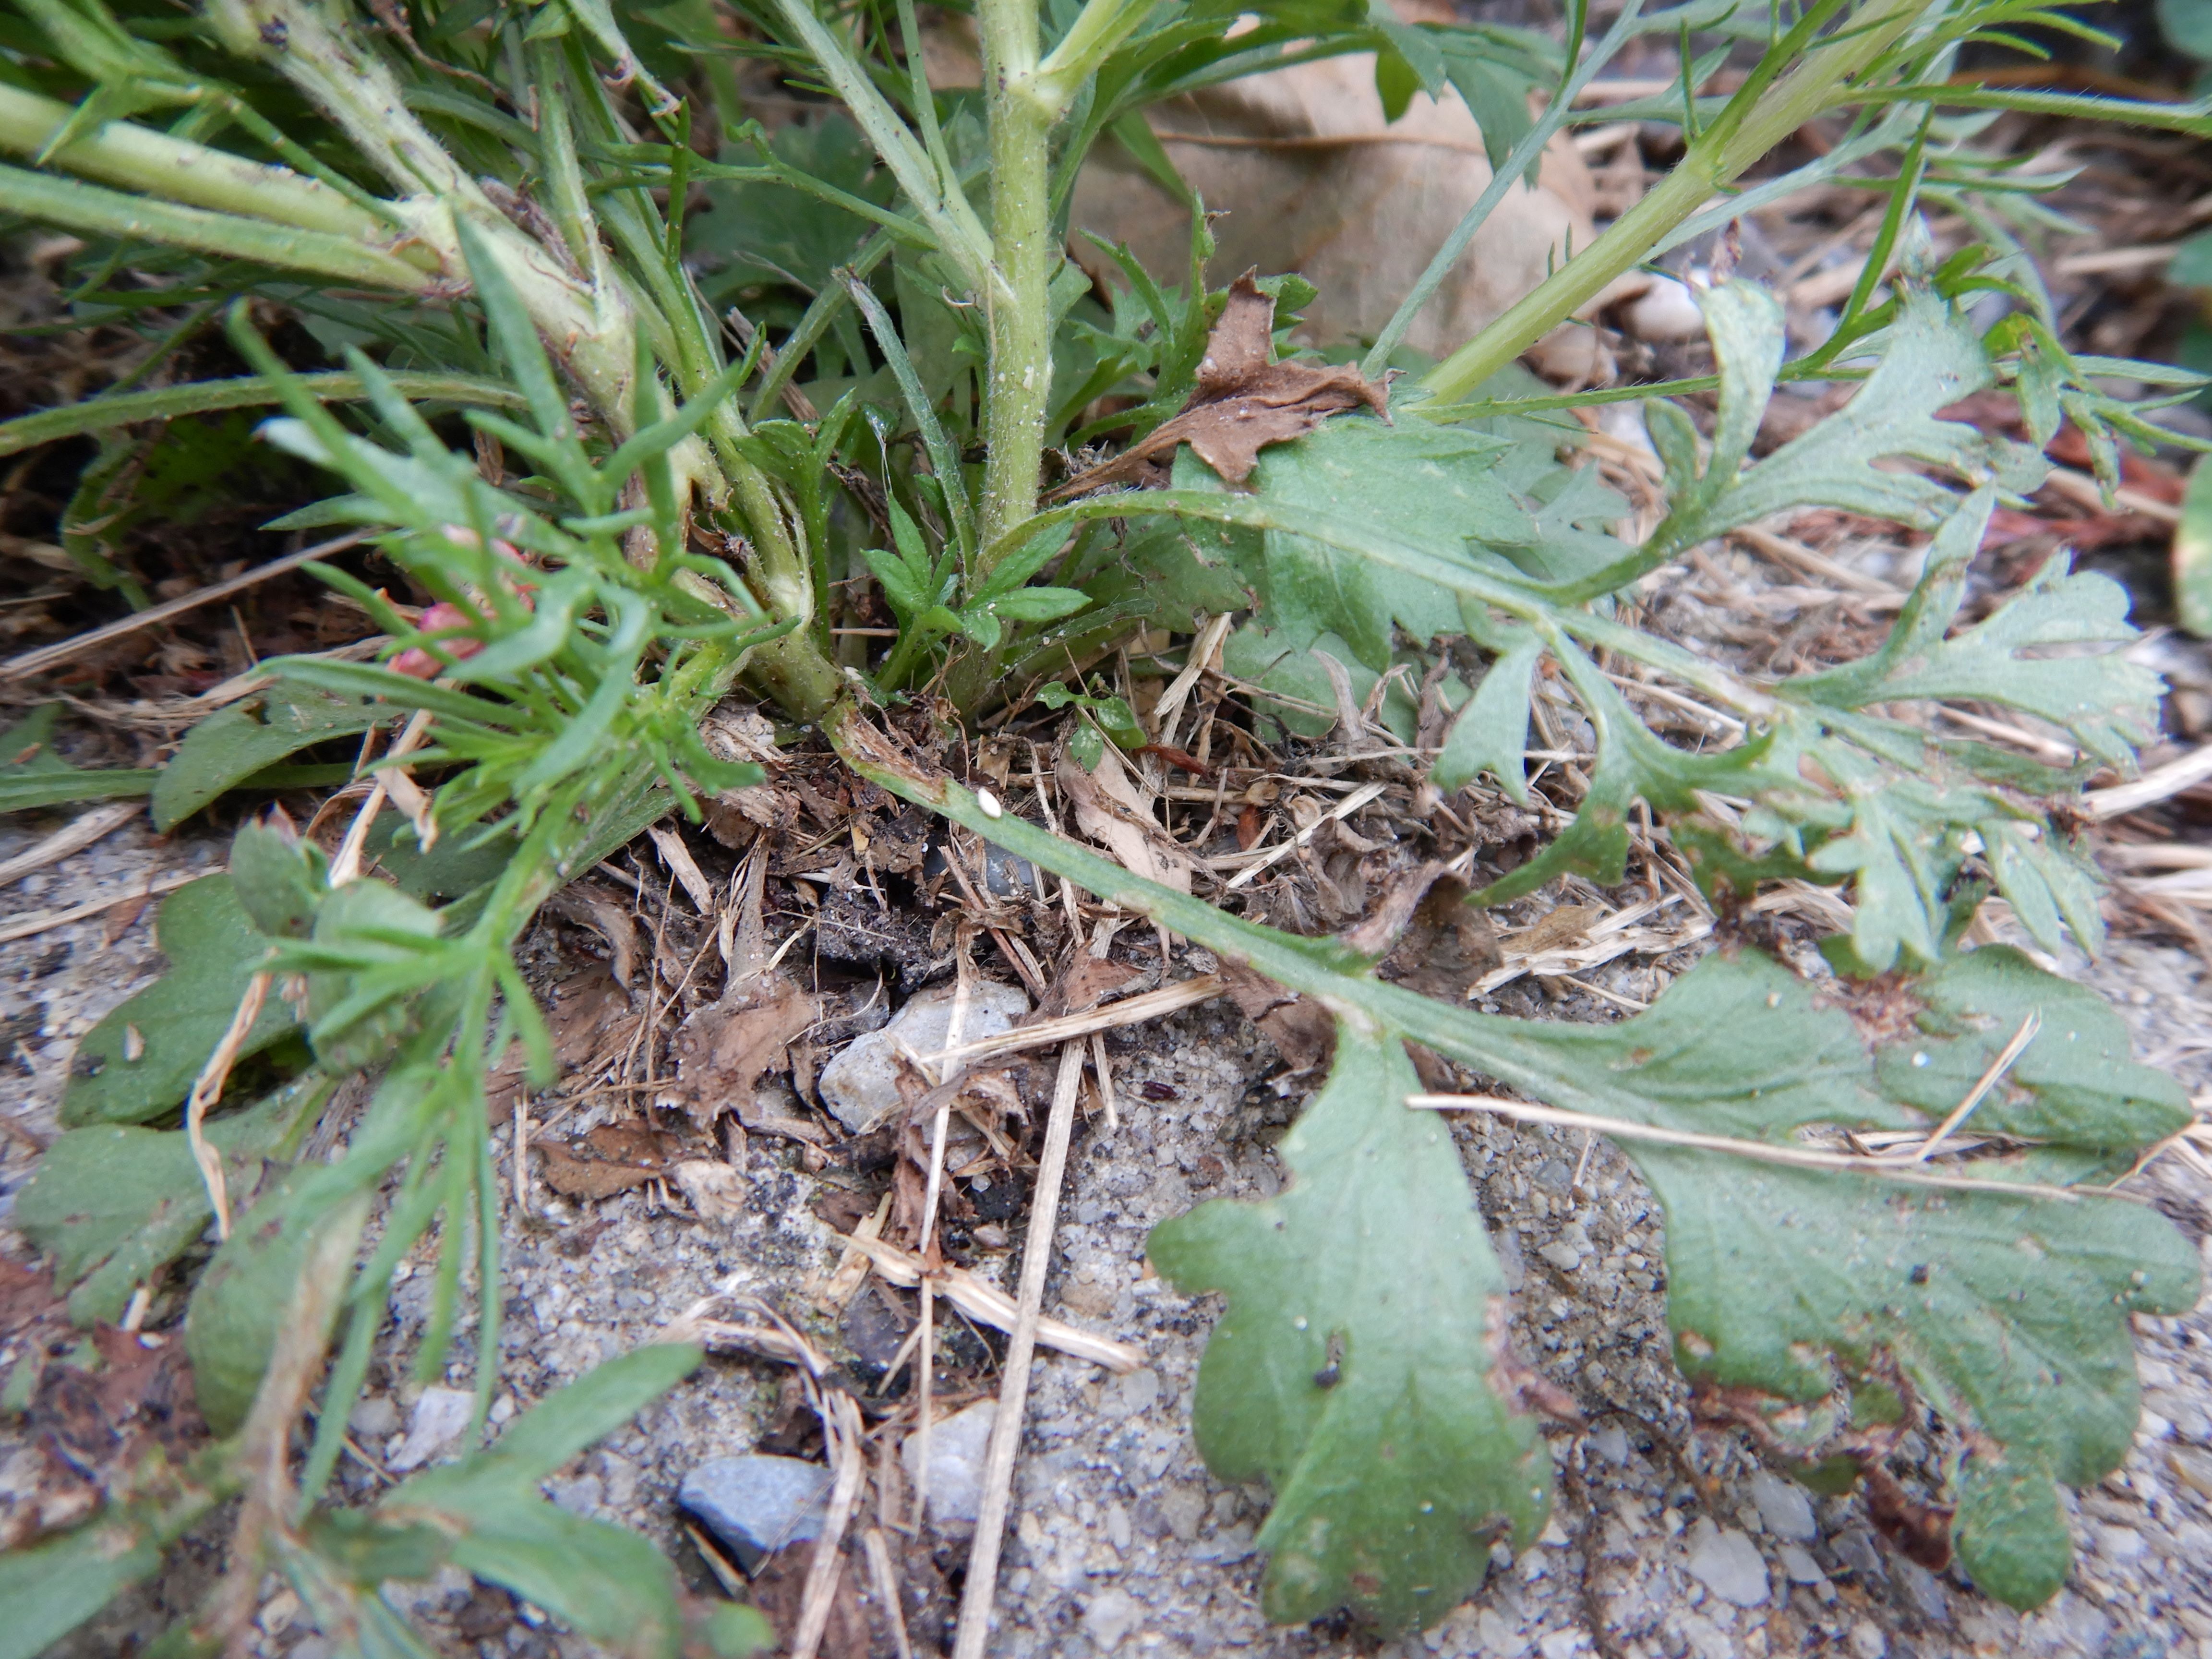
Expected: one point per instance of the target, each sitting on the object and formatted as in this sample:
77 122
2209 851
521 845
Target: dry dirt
1121 1541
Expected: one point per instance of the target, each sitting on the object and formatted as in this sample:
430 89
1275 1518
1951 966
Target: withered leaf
1243 403
724 1050
1112 810
1302 1031
612 1158
592 1023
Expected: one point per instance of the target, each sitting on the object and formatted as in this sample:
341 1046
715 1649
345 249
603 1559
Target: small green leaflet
174 1024
114 1204
1930 360
1357 1369
229 746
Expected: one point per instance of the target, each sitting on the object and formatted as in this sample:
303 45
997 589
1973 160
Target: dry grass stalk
1987 1081
79 833
62 651
685 868
987 1305
841 1432
1259 861
1134 1010
207 1089
1903 1170
2159 783
981 1588
42 921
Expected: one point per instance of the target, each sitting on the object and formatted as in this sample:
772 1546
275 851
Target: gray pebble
756 1504
1729 1563
1112 1615
1784 1507
958 1449
861 1083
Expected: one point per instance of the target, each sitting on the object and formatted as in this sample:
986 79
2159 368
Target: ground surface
1674 1543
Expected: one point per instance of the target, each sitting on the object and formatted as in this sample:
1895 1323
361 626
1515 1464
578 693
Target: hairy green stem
1713 162
1018 308
101 212
136 158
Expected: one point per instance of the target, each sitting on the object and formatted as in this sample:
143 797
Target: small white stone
1112 1615
1665 312
861 1083
1784 1508
1729 1563
1867 1641
1798 1563
440 1416
957 1447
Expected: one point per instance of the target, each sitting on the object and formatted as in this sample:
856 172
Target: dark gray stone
756 1504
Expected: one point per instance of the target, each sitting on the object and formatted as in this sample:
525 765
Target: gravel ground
1664 1541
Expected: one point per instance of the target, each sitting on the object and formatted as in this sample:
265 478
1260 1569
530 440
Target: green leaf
1435 488
386 940
735 1631
279 878
611 1585
1039 603
2108 703
246 1295
2192 557
2011 1531
232 743
33 774
2074 1085
1931 358
52 1588
908 594
571 1418
1356 1369
213 949
2187 26
113 1205
1491 732
1811 1294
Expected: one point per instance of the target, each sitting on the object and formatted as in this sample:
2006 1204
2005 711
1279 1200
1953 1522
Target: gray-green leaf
214 948
1357 1367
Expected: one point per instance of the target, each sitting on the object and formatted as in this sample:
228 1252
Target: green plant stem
1101 25
1715 159
1019 311
101 212
133 157
245 392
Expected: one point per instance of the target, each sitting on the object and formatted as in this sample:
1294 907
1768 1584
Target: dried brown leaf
1302 1031
1111 811
1243 403
612 1158
725 1049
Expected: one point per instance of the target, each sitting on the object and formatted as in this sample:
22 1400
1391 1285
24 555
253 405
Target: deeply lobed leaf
1361 1368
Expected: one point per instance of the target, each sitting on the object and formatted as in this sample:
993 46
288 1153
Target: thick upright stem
1712 162
1021 259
